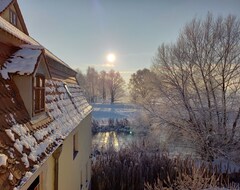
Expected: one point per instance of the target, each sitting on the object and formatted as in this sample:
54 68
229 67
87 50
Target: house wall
70 170
6 16
46 174
24 84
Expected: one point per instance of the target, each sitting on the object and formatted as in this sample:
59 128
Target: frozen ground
114 111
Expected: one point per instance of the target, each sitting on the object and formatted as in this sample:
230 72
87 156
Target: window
75 145
81 185
86 174
35 185
39 94
13 17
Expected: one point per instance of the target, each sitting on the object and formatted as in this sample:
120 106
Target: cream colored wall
24 84
6 16
69 168
46 174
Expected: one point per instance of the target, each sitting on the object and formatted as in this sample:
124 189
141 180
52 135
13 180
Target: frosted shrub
136 169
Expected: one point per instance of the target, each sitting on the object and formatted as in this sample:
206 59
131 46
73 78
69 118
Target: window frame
75 145
38 94
13 17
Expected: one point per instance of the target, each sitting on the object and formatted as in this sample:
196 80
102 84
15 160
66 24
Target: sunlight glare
111 57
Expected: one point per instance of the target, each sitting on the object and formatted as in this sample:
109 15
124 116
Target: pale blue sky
82 32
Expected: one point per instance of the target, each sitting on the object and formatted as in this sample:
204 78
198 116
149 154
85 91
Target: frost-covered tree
115 85
92 83
139 85
197 85
102 80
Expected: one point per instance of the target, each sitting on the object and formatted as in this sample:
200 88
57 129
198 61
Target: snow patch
21 62
10 177
3 160
10 134
18 146
25 160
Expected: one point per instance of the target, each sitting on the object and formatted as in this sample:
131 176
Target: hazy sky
83 32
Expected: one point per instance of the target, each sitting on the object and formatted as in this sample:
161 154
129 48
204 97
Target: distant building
45 135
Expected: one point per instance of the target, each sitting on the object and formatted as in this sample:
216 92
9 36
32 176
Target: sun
111 57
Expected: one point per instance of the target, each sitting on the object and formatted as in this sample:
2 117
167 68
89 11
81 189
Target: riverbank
111 125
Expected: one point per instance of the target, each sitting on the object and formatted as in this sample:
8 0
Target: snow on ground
114 111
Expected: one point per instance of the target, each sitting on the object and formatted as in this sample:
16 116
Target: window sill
39 117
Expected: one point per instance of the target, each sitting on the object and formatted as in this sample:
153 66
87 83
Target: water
106 140
112 139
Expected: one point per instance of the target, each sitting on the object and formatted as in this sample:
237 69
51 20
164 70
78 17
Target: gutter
56 156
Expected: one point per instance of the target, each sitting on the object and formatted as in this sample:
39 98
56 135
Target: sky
83 32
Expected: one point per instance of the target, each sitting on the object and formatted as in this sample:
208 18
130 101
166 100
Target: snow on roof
29 143
21 62
4 4
3 160
66 113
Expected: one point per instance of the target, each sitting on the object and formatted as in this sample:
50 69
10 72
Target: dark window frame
38 94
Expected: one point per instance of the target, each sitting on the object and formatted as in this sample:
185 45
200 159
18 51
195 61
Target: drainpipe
56 156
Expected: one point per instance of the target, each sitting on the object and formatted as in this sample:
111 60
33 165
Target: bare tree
115 85
92 82
102 84
81 79
197 85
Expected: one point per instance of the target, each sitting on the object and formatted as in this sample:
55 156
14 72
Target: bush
133 169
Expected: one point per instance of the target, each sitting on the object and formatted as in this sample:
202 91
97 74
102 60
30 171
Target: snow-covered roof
27 145
4 4
22 62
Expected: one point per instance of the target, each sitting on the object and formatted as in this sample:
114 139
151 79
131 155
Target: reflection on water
111 139
106 140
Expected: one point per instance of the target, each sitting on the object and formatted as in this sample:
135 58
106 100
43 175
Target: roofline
7 6
9 28
15 4
46 63
20 16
